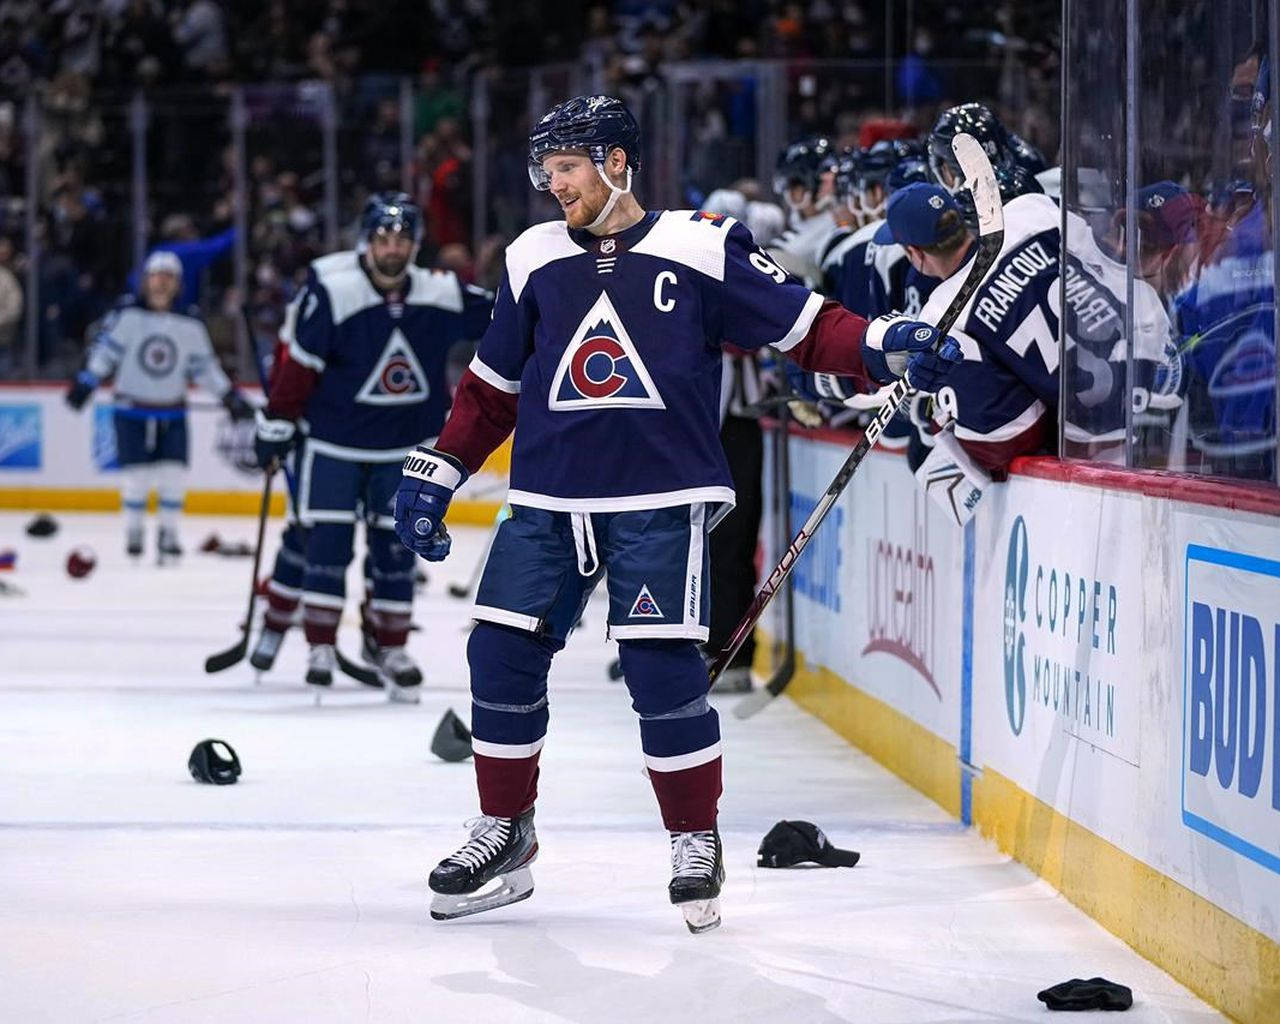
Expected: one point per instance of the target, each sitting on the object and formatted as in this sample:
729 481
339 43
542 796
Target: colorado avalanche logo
397 377
601 367
644 606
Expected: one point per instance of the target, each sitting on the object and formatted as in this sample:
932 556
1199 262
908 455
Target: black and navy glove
426 487
893 343
81 388
235 404
273 439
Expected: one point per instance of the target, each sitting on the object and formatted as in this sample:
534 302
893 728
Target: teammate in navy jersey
604 356
366 371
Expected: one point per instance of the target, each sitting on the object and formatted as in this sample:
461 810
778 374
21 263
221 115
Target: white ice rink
128 892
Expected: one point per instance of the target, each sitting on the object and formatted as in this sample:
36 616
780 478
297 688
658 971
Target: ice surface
128 892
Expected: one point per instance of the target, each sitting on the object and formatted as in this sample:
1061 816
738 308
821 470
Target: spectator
201 32
11 304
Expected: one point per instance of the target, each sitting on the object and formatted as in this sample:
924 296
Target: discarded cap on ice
81 562
1093 994
214 762
452 741
794 842
43 525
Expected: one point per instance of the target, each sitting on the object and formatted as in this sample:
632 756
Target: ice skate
733 680
133 542
266 649
400 676
321 662
697 872
490 870
168 549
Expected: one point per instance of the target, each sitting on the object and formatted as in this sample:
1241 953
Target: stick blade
753 703
225 659
980 180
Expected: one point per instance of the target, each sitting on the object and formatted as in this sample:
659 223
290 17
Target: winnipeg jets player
366 370
154 352
604 356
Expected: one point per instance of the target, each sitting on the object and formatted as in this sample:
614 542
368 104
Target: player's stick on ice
980 180
234 655
464 590
364 676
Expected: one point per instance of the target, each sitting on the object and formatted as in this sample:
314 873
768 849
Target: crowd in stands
85 60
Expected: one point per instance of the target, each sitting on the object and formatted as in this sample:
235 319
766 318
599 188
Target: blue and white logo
105 455
20 434
1231 700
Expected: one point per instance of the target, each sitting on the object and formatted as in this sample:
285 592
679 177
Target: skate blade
512 888
701 915
403 694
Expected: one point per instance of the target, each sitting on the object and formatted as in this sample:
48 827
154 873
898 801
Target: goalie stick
981 183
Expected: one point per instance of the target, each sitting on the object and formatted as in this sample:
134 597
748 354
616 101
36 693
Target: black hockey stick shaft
233 655
364 676
980 179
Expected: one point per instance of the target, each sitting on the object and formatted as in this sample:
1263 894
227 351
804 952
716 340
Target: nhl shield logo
644 606
601 367
397 377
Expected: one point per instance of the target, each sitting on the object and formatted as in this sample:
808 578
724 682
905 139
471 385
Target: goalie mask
595 125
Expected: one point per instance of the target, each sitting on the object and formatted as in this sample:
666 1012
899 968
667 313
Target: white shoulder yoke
683 237
534 248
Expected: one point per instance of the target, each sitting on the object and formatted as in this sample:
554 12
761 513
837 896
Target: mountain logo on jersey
644 606
601 368
397 377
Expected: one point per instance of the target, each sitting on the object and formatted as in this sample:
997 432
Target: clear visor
946 172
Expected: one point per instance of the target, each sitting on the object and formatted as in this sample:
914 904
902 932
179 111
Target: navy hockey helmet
909 149
907 172
847 168
594 124
1014 181
390 211
802 163
877 163
972 119
1027 156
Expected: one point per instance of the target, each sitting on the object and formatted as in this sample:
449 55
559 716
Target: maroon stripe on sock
508 785
688 798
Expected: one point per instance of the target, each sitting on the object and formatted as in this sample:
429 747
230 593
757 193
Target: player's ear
616 162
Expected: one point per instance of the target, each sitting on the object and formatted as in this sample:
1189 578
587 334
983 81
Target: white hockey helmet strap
615 194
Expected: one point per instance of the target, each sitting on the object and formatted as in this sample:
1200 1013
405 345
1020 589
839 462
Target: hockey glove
889 342
273 439
235 404
928 371
81 388
426 488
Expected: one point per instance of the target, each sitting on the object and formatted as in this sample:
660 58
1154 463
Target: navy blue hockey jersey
612 345
380 358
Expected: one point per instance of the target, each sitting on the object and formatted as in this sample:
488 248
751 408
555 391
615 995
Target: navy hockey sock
679 730
284 589
389 574
508 714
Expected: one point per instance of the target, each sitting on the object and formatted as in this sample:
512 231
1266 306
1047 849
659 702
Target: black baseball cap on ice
794 842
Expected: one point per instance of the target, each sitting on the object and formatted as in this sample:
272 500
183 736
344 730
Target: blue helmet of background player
801 165
595 125
873 172
1027 156
388 212
907 172
847 168
972 119
909 149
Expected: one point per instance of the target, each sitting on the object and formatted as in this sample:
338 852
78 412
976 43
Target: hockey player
154 352
805 179
603 355
366 370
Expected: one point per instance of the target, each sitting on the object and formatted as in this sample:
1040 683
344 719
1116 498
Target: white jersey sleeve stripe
801 327
308 359
491 377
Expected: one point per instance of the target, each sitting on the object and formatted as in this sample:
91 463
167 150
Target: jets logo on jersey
397 377
158 355
644 606
601 368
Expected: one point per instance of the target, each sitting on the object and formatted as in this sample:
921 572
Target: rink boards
54 458
1089 674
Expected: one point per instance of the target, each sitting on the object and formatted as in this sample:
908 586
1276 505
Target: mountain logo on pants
645 607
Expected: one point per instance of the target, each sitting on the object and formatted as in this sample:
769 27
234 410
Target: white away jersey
613 345
153 356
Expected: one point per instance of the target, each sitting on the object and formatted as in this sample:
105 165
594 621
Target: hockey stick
234 655
980 180
364 676
463 590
